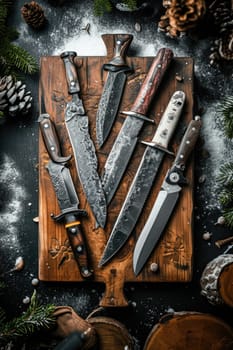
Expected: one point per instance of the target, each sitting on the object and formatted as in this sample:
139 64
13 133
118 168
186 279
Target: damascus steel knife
127 138
113 89
144 178
70 213
76 122
65 193
166 199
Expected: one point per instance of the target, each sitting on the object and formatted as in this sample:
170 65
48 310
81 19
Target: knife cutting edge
144 177
127 138
76 122
114 85
166 199
66 194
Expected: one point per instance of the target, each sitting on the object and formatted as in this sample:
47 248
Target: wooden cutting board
174 253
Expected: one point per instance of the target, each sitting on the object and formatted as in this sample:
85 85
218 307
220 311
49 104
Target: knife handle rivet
159 65
187 142
79 249
52 148
72 83
154 267
46 125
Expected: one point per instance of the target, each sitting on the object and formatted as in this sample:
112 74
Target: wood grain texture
190 330
174 253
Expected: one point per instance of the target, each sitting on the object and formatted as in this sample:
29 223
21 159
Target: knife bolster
62 217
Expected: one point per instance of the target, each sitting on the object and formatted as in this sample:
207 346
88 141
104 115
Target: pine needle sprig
21 59
226 110
36 318
13 59
102 6
225 177
228 216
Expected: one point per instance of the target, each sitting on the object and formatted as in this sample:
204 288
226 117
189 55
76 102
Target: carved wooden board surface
174 253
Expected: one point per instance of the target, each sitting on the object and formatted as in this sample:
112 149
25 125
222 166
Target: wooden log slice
111 334
190 330
217 280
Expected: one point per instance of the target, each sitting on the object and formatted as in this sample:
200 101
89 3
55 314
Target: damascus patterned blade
134 203
86 163
144 177
126 140
117 69
109 104
83 147
119 156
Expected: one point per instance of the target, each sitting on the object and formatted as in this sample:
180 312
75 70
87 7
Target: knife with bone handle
166 199
144 177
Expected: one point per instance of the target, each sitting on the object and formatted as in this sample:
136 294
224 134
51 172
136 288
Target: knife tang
153 79
71 74
121 45
51 140
187 143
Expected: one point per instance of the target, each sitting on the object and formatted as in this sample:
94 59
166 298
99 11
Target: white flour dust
13 193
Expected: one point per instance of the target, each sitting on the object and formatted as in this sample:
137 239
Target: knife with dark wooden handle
51 140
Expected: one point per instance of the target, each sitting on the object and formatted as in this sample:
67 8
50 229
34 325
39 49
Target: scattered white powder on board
11 210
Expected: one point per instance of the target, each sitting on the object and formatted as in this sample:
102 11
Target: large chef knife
166 199
65 193
114 86
84 151
143 179
126 140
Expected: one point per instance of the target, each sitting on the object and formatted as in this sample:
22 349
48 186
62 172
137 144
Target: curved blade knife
144 178
166 199
126 140
113 89
76 123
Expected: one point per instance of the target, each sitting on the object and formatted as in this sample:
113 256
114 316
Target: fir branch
225 177
102 6
226 198
226 110
21 59
228 216
36 318
132 4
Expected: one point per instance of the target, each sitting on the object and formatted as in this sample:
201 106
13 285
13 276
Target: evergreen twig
13 59
225 176
102 6
36 318
226 110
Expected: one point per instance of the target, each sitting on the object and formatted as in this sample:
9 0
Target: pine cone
222 18
181 16
14 99
33 15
